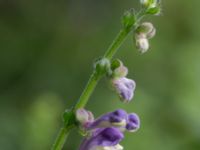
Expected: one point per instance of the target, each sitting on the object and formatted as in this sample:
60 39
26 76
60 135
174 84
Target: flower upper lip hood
118 118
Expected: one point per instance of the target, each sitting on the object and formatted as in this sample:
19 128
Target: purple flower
106 132
125 88
117 118
103 139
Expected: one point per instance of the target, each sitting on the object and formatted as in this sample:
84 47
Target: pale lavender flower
125 88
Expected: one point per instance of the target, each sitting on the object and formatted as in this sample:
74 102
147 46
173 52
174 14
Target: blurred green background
46 54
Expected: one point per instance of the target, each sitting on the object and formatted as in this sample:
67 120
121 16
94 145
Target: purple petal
116 118
133 122
103 137
125 88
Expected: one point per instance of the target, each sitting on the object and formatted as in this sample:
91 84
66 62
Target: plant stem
95 77
61 138
87 91
116 43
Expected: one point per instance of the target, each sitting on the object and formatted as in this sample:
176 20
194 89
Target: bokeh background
46 53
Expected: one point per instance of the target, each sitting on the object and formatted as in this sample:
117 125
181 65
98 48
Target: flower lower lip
116 147
121 123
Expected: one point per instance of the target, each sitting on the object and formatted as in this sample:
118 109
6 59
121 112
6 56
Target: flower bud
149 3
142 44
144 2
102 65
146 29
156 10
125 88
128 18
84 117
118 69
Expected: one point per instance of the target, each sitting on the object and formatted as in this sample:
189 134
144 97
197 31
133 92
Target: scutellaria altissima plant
107 131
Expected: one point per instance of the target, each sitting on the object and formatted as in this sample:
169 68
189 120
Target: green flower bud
128 19
102 66
152 6
118 69
149 3
154 10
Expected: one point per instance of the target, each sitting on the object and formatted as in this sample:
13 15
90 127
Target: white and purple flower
117 118
106 132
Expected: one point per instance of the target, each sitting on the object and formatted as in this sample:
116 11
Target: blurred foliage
46 54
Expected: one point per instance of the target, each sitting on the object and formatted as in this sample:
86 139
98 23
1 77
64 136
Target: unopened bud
144 2
102 65
149 3
118 69
128 18
152 6
83 116
142 44
156 10
146 29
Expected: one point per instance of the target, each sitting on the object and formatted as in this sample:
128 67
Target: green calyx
69 118
128 19
102 66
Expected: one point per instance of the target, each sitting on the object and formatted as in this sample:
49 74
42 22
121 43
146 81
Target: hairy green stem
116 43
61 138
95 77
87 91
